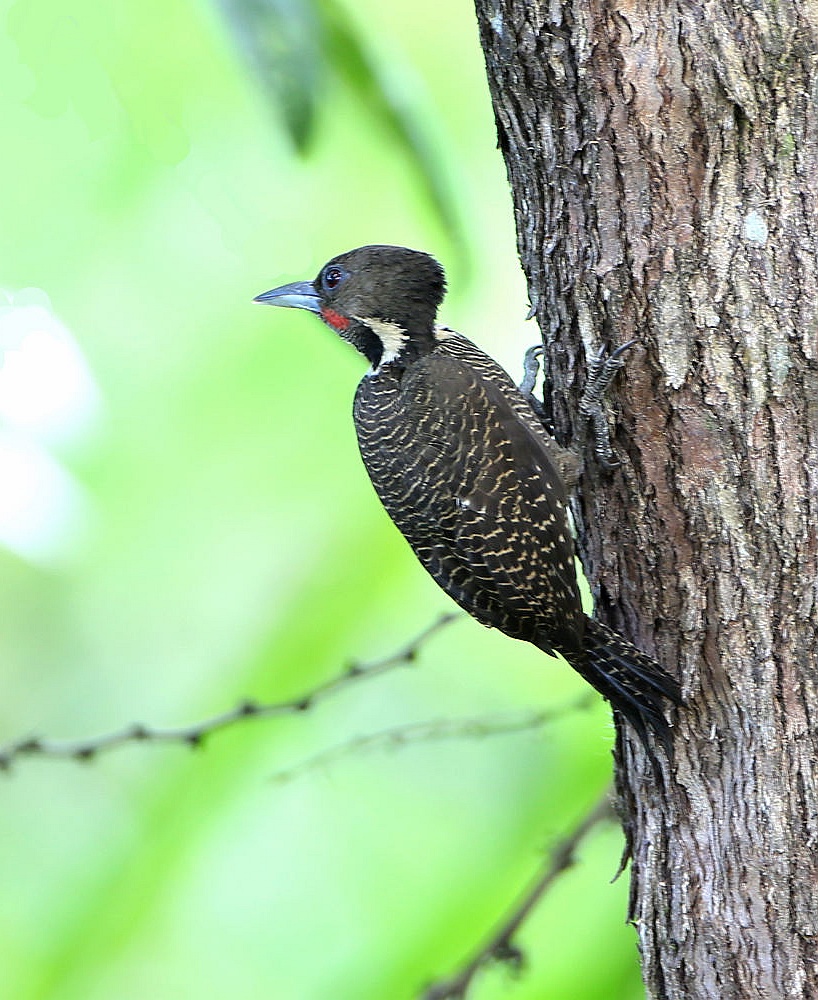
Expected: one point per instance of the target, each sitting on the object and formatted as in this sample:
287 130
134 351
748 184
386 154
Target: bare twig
500 946
434 730
195 735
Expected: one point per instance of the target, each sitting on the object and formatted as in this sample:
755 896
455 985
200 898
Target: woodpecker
468 472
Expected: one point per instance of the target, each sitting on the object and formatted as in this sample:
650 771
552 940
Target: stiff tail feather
634 683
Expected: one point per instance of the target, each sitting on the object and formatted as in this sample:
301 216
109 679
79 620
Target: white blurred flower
46 387
48 398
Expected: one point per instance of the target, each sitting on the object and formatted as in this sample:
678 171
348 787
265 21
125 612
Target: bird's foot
601 372
531 369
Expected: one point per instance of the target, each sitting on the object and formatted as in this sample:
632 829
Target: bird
469 473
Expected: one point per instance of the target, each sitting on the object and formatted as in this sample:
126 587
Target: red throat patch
334 319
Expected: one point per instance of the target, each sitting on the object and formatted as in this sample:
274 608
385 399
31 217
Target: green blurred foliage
209 533
298 50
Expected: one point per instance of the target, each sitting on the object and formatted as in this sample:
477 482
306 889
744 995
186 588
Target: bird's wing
481 503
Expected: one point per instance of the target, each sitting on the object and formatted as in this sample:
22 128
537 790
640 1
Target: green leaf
282 42
387 93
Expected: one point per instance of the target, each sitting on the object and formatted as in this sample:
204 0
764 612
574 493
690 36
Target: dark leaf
282 42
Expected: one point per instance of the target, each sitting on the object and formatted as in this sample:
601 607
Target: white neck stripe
392 337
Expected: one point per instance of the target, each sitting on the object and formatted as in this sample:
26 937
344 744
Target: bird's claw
531 369
601 372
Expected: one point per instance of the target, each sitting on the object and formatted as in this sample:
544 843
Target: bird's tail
634 683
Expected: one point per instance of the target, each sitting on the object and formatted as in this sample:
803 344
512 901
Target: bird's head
382 299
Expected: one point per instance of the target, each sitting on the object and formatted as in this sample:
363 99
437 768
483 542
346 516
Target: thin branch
195 735
434 730
500 946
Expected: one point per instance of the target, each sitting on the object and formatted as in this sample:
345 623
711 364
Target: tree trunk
663 159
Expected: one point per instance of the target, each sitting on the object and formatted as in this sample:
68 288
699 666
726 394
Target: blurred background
185 522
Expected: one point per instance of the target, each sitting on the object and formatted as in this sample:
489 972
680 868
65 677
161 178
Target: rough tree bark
663 158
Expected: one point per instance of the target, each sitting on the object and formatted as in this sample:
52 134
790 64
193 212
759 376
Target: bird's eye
332 277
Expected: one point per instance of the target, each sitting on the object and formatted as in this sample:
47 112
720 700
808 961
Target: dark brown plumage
467 471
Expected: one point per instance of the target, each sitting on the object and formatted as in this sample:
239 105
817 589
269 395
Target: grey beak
298 295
